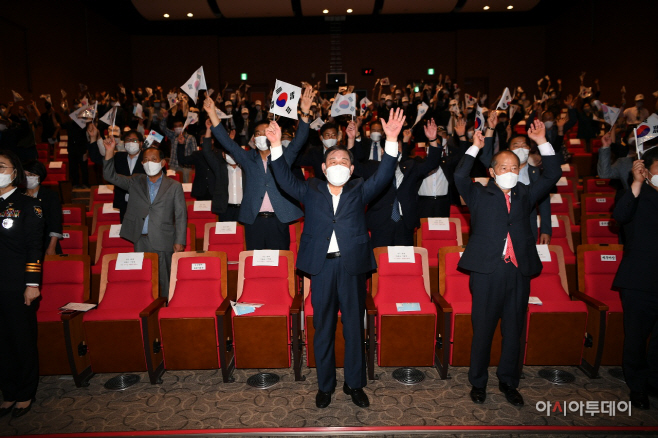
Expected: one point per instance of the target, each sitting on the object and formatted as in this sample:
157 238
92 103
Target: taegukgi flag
644 132
479 119
364 105
285 99
195 83
344 104
505 100
610 114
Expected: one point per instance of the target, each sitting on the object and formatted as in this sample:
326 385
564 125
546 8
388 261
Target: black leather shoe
511 394
359 397
651 391
478 395
323 399
640 400
6 411
19 412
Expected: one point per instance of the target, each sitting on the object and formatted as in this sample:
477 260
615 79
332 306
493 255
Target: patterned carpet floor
192 400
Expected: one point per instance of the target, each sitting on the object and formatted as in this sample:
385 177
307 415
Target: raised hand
492 120
430 129
460 126
606 140
478 139
273 134
537 132
208 124
351 130
406 136
307 99
639 171
561 121
394 125
569 101
232 134
109 143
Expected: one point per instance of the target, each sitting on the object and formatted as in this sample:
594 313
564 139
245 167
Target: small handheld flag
505 100
285 99
195 83
344 104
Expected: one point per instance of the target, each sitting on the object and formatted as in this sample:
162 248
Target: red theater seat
75 240
433 240
599 228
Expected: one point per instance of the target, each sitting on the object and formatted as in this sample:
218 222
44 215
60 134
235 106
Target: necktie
395 214
375 151
509 251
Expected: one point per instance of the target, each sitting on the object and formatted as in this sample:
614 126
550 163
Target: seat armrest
152 308
296 305
224 308
370 305
70 316
590 301
441 302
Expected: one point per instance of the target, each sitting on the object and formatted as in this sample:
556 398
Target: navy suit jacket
349 221
258 181
490 221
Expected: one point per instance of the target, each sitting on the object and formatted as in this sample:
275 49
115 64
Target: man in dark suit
127 163
392 215
204 179
314 155
370 148
637 211
502 257
336 251
265 211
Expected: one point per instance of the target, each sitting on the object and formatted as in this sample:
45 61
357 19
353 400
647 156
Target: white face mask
261 143
653 180
285 143
444 142
6 179
548 124
507 180
151 168
338 175
375 136
522 153
132 147
230 160
329 142
32 182
178 131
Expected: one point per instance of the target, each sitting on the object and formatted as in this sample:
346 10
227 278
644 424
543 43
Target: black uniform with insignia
21 240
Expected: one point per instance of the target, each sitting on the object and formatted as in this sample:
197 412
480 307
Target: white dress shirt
234 184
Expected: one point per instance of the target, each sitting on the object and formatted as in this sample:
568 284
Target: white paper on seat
544 253
266 257
438 223
187 187
608 258
401 254
55 164
198 266
63 151
554 221
574 141
171 172
105 189
556 198
562 181
115 230
566 168
225 227
202 205
534 300
80 307
108 208
408 307
130 261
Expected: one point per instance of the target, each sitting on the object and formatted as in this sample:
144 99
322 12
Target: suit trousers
230 215
392 234
640 362
501 295
267 233
434 206
19 355
334 289
164 262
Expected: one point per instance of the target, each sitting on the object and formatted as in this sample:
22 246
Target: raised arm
239 155
214 162
465 186
552 171
280 168
290 153
110 175
434 153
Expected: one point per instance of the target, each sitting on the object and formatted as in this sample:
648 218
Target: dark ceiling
125 16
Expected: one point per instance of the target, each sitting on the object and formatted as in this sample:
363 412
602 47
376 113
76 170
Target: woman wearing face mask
35 174
637 212
21 239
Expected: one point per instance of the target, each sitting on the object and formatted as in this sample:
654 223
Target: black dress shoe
359 397
323 399
511 394
478 395
19 412
6 411
640 400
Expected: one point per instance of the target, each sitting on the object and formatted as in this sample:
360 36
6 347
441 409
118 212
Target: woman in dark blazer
35 174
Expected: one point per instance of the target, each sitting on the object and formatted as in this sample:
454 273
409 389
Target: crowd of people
410 153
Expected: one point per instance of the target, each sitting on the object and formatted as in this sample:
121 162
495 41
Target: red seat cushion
231 244
434 240
599 274
602 230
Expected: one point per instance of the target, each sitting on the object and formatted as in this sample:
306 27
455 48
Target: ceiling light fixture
166 15
349 11
486 8
510 7
326 11
189 14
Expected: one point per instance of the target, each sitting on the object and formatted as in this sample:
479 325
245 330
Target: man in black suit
127 163
502 257
392 215
314 155
204 180
336 251
370 148
637 211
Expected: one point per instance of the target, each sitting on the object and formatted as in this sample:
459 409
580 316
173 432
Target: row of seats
131 329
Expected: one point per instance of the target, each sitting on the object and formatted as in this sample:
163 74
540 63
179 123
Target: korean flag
479 119
344 104
284 99
505 100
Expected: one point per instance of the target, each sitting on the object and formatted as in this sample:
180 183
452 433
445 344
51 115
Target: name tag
608 258
66 235
544 253
266 257
438 223
225 227
604 223
115 231
130 261
601 200
202 205
198 266
66 211
401 254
